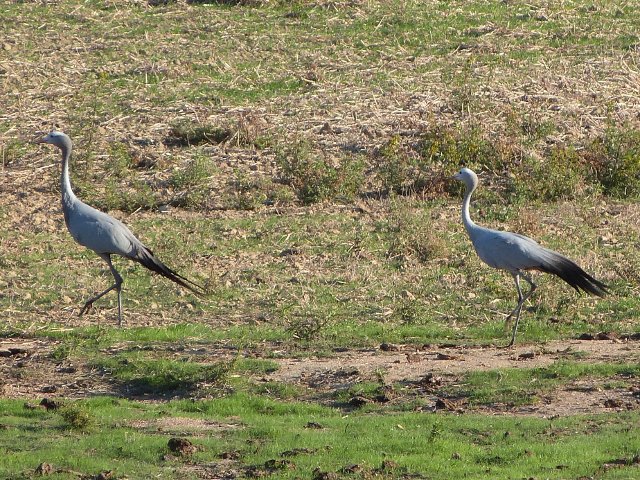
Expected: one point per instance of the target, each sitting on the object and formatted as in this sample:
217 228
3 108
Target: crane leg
521 300
117 285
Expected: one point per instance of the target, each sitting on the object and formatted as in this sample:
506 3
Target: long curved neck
466 218
68 197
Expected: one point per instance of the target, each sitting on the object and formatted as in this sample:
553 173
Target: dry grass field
294 158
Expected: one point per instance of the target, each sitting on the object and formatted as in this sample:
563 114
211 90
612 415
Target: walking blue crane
516 254
104 234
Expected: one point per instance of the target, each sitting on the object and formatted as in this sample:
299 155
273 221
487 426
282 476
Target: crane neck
68 196
466 217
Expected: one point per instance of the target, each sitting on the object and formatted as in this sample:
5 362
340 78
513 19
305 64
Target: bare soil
31 373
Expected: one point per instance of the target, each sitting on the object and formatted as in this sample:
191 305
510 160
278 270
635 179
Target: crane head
467 176
59 139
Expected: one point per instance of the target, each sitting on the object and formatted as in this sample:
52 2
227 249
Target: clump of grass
61 352
249 192
280 390
76 417
615 157
561 175
195 174
315 179
394 167
185 133
138 196
119 160
425 167
11 151
411 237
159 376
534 128
192 181
446 150
250 131
306 326
520 386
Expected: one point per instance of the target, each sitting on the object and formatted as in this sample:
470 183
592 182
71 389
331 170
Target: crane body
517 254
104 234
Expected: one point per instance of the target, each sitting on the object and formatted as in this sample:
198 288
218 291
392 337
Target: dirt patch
33 372
410 364
407 365
183 425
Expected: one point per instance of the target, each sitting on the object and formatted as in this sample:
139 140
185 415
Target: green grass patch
265 433
523 386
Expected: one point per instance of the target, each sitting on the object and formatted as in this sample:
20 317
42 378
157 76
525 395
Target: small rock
106 475
526 356
358 401
445 356
44 469
389 347
613 403
314 425
586 336
181 446
50 404
320 475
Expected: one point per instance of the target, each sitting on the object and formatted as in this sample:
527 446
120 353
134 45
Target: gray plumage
516 253
104 234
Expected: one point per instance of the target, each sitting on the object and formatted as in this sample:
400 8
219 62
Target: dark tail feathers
571 273
146 258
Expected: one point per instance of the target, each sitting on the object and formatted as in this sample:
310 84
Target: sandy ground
29 371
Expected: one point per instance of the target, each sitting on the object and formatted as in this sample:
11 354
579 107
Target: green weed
185 133
524 386
11 151
159 376
560 175
119 161
317 178
616 160
76 417
191 182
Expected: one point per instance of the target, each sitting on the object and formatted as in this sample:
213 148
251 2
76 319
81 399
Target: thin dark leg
521 300
117 285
